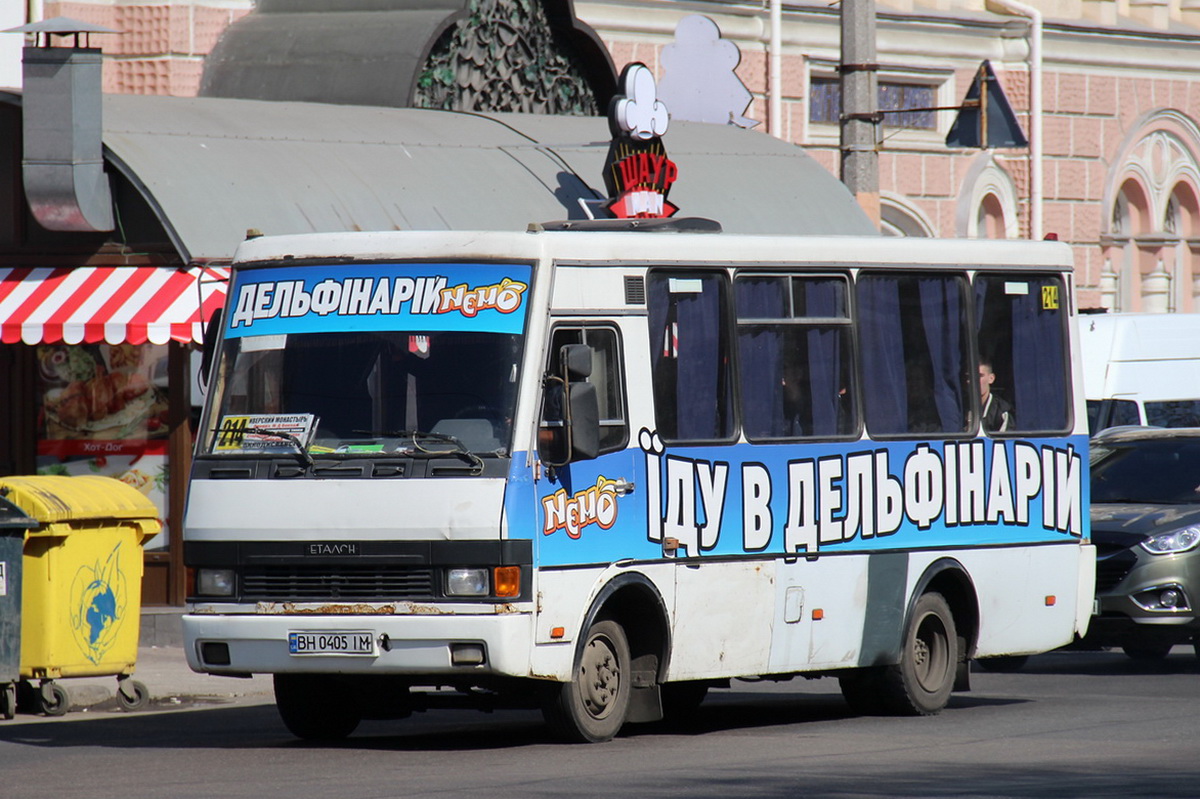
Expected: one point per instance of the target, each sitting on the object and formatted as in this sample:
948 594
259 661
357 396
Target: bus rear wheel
592 707
315 707
920 684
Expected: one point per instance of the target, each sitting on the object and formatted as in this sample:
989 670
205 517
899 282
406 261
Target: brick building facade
1120 96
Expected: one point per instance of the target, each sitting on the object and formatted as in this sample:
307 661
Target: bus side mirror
576 360
571 416
583 422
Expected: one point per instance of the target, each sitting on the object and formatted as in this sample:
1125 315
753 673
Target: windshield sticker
275 432
433 297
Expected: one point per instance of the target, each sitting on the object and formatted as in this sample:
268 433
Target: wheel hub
601 679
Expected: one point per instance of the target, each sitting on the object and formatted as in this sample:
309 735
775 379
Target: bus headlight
214 582
467 582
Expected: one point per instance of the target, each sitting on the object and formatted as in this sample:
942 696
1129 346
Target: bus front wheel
315 707
920 684
592 707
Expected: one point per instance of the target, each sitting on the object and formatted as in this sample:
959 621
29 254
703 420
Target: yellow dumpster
81 584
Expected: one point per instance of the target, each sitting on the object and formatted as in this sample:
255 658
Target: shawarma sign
638 174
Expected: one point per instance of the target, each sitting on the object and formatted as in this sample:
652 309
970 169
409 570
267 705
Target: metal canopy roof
213 168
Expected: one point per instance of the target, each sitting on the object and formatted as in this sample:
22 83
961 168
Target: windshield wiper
460 449
301 450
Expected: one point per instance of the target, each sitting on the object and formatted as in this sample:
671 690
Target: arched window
899 217
987 204
990 223
1151 236
1182 222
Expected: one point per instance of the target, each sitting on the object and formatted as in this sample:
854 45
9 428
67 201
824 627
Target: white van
1141 369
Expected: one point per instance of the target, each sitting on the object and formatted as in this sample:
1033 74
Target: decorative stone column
1155 13
1193 250
1189 12
1113 251
1102 11
1154 268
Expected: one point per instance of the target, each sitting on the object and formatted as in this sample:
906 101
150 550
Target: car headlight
1173 542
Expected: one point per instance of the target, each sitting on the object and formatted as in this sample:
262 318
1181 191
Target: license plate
331 642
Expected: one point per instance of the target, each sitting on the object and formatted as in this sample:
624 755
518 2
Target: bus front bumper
437 646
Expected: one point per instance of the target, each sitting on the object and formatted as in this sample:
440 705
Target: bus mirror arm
206 352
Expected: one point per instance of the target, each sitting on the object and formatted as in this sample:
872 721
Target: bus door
591 511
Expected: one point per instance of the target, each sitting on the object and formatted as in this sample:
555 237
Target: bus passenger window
795 362
690 356
918 374
1022 336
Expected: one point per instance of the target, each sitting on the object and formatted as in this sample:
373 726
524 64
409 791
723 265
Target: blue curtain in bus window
1021 332
760 347
941 313
885 389
1039 366
823 298
692 390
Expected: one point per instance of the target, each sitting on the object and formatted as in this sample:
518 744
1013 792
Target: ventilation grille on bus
635 290
322 583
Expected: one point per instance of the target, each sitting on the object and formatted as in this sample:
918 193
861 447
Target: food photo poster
103 411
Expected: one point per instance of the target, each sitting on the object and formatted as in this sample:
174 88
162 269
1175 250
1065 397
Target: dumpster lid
12 518
57 498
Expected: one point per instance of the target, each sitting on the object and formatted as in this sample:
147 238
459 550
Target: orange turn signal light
507 581
1051 601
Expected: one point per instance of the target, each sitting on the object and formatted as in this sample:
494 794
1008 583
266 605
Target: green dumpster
13 525
81 584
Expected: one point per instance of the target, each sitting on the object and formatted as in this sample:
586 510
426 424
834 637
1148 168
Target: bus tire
315 707
591 708
920 684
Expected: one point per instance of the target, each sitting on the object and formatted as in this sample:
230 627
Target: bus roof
660 247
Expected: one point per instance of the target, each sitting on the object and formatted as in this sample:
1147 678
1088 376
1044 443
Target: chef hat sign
640 113
637 174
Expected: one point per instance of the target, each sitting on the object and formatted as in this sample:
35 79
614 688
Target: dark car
1145 508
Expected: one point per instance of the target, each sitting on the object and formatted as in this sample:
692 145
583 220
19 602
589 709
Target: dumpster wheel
8 700
132 695
52 699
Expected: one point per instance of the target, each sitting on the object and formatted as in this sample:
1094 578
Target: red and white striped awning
117 304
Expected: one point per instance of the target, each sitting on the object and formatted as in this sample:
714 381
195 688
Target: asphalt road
1071 724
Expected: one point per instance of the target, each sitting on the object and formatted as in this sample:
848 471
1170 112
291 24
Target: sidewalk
163 669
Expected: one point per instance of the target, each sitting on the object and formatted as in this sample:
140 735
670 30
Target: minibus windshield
359 393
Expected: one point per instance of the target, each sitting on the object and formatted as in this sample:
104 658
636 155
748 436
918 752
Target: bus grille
320 583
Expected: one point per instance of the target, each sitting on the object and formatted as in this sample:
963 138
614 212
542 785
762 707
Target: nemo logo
504 297
594 505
